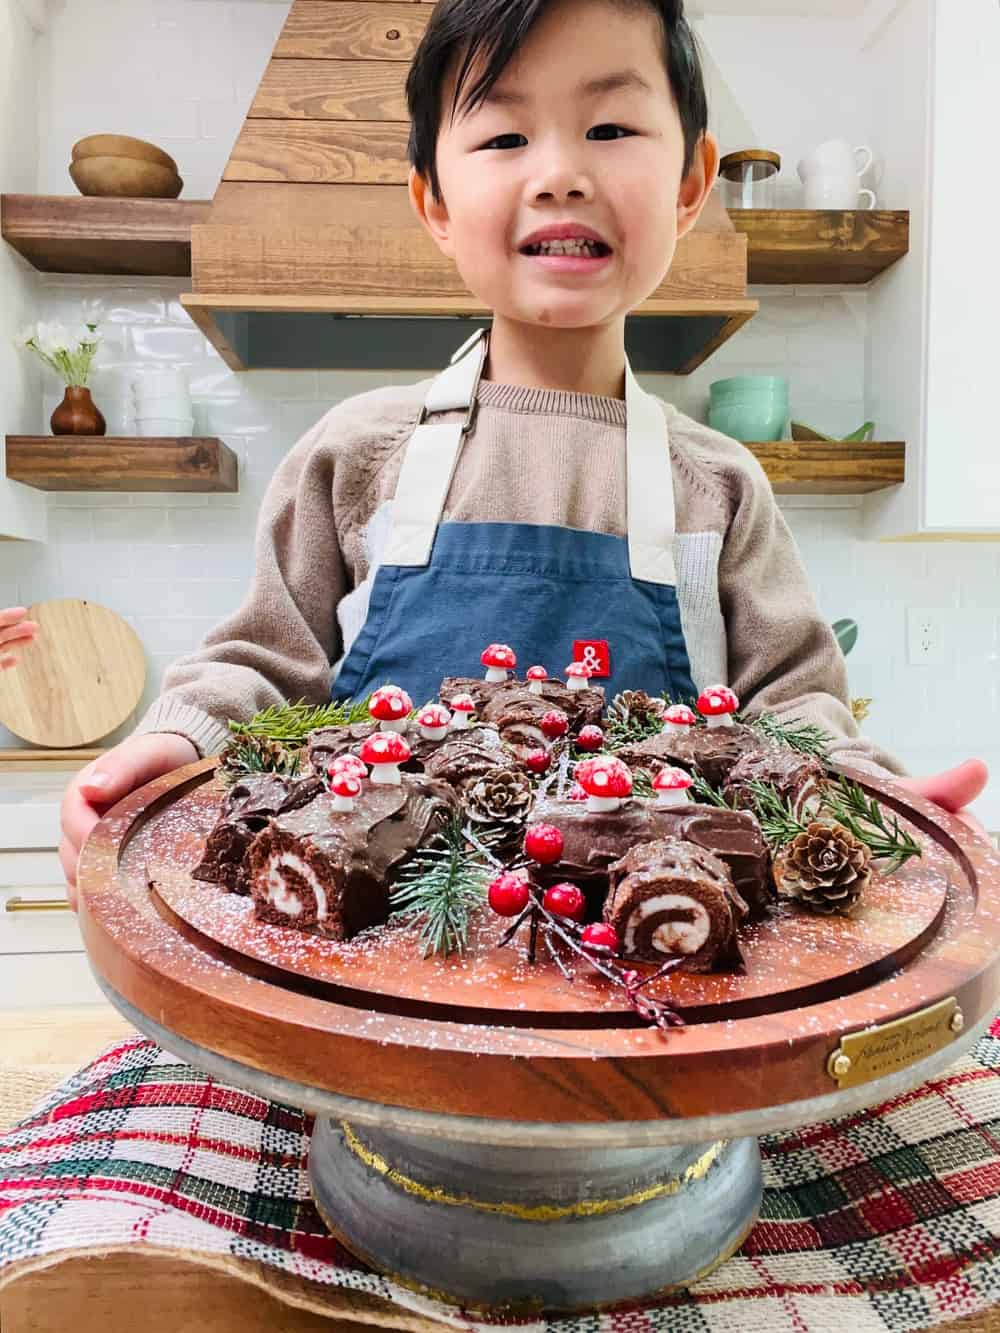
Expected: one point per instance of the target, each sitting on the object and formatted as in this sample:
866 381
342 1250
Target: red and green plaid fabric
884 1220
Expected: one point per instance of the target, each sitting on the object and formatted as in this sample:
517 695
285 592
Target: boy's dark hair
495 30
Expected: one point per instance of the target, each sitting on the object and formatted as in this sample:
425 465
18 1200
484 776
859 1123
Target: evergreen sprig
707 793
439 887
778 821
864 817
290 723
797 735
247 755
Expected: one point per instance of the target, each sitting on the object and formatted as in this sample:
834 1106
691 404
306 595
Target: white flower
52 338
84 337
24 338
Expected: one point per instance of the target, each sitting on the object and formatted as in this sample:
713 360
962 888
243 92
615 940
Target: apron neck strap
433 450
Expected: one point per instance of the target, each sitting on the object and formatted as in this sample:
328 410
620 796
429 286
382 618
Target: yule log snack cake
645 831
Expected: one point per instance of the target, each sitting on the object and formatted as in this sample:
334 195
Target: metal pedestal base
558 1229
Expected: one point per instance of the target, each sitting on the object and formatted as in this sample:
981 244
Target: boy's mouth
572 247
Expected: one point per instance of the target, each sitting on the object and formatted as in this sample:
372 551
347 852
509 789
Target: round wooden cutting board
80 679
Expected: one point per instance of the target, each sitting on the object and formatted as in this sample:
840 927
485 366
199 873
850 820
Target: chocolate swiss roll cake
711 752
329 873
246 808
464 756
672 899
593 841
797 778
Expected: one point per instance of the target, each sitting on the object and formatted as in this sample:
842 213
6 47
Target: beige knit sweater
534 456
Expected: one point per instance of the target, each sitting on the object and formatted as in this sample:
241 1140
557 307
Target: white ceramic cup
831 175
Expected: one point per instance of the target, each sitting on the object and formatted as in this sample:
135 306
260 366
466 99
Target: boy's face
609 159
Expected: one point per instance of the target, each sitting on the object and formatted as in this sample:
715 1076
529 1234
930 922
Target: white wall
22 510
174 564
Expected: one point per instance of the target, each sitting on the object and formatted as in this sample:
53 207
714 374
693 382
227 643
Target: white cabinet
932 69
42 960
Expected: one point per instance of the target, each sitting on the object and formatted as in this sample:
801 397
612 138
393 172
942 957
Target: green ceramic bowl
749 420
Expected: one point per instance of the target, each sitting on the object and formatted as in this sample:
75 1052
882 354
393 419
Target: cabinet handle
36 905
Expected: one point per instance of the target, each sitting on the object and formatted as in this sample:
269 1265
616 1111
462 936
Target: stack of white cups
163 402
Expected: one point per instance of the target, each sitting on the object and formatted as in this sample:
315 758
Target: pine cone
257 754
826 868
635 706
500 796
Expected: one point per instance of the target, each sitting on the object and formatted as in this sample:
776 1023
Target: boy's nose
562 182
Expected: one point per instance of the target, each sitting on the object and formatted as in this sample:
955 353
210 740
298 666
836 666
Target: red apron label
596 654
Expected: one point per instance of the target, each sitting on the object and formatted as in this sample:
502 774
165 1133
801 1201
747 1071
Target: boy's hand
15 632
953 790
106 780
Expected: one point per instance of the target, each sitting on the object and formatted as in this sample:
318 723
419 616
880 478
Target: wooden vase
77 414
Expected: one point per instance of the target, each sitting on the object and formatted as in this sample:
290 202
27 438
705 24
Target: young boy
532 494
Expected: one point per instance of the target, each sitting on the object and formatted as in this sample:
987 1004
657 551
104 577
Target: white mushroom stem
460 721
667 800
575 683
494 675
720 720
434 733
598 805
400 725
535 686
676 728
386 775
343 805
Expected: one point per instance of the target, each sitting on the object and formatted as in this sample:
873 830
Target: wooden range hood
311 257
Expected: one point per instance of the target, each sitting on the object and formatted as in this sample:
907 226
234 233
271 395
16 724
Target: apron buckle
470 416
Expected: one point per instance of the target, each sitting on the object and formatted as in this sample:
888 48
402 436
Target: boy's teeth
565 247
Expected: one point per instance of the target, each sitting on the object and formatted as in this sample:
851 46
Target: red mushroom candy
672 787
678 720
606 780
717 704
385 751
578 675
345 788
391 706
434 721
348 763
462 708
537 676
498 659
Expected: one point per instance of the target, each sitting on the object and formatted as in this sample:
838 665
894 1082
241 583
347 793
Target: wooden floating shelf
830 468
112 237
122 463
152 238
802 247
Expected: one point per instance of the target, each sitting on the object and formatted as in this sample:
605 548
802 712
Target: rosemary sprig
865 818
797 735
707 793
778 821
290 723
246 755
439 887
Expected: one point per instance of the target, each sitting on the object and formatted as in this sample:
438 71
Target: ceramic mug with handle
831 174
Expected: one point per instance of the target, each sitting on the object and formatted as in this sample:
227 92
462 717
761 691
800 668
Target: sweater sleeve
783 656
280 643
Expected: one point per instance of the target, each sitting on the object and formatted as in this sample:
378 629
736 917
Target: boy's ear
433 214
697 184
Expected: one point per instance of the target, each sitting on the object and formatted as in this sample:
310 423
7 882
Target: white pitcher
831 174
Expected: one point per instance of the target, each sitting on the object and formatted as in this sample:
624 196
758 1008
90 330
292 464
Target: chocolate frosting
464 756
593 842
326 743
351 856
582 707
708 751
246 808
672 898
799 778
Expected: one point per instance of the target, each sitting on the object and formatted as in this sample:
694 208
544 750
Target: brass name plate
878 1051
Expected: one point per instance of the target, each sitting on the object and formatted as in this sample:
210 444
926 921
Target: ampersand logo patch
596 654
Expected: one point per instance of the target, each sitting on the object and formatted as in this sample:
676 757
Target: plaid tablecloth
884 1220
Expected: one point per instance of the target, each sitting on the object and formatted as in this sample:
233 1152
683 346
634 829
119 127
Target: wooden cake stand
497 1136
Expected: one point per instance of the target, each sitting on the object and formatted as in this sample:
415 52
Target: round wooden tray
487 1035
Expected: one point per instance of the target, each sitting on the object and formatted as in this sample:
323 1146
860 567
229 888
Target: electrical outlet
926 635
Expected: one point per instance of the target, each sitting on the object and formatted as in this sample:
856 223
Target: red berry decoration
590 739
508 895
537 761
565 900
543 843
554 724
600 936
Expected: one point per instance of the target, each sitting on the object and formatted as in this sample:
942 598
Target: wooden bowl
125 178
120 145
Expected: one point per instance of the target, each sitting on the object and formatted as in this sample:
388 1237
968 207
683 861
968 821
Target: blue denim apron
446 590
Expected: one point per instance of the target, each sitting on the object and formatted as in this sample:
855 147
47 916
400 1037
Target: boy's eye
598 132
615 131
496 143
